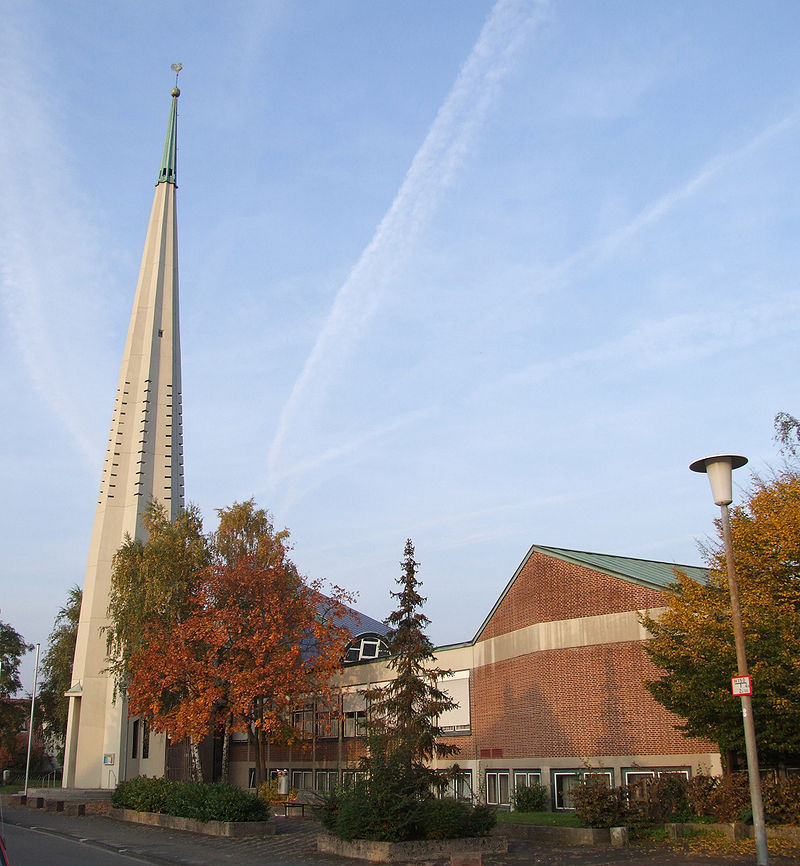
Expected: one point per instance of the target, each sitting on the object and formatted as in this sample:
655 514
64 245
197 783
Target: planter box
234 829
556 835
404 852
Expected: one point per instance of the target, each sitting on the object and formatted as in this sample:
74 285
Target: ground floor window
459 787
302 779
327 780
527 778
640 777
497 788
251 777
351 777
642 774
564 781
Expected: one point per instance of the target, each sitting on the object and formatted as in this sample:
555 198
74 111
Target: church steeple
168 172
144 462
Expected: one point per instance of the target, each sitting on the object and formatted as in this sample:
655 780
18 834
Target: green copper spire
169 159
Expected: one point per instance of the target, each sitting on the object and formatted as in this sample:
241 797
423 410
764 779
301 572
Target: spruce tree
397 800
403 732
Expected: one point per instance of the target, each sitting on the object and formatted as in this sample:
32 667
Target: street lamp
719 469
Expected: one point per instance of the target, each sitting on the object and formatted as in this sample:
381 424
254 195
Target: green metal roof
645 572
168 171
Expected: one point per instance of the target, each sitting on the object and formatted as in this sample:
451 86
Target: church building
551 688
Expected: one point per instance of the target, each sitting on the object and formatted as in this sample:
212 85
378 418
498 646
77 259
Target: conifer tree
404 731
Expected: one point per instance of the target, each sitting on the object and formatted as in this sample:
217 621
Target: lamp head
719 469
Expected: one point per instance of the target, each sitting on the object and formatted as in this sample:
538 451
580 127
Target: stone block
619 837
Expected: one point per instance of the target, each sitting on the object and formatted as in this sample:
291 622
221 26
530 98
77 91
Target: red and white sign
741 686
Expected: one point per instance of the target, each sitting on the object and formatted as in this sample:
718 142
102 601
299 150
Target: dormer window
365 648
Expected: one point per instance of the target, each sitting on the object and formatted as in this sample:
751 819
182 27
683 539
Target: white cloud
609 245
46 266
676 340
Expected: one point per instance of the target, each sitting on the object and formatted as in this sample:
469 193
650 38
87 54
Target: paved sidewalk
294 844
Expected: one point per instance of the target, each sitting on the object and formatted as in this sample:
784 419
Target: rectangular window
565 781
327 780
135 740
302 779
459 787
303 721
497 788
328 724
456 687
354 709
350 777
369 649
640 777
355 724
527 778
251 777
145 739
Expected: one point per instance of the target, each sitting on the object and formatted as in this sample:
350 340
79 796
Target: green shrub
144 795
217 801
454 819
530 798
361 813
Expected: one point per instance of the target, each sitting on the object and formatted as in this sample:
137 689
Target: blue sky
480 274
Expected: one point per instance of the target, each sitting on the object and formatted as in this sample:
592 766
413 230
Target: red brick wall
548 589
579 701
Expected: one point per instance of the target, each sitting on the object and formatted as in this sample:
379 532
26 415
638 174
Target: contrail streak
508 26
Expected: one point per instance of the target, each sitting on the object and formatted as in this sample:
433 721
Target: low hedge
355 814
203 801
673 798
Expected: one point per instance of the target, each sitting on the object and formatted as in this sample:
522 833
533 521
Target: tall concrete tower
144 461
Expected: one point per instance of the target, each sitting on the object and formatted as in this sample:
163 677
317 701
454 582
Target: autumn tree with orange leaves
252 639
693 640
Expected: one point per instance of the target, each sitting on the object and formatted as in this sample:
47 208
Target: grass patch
541 819
17 783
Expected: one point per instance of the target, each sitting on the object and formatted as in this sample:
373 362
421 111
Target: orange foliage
256 639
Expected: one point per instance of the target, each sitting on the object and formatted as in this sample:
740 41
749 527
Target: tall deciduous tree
404 735
253 638
693 640
151 581
56 667
12 648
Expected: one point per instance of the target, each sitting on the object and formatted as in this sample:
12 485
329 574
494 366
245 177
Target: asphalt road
53 839
28 847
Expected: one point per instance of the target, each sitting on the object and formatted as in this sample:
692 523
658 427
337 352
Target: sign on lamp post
719 469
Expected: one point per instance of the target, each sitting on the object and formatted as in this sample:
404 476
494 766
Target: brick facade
556 680
548 590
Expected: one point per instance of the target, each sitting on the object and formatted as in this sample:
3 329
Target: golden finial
176 68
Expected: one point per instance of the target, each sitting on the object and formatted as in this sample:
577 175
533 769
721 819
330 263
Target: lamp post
719 469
